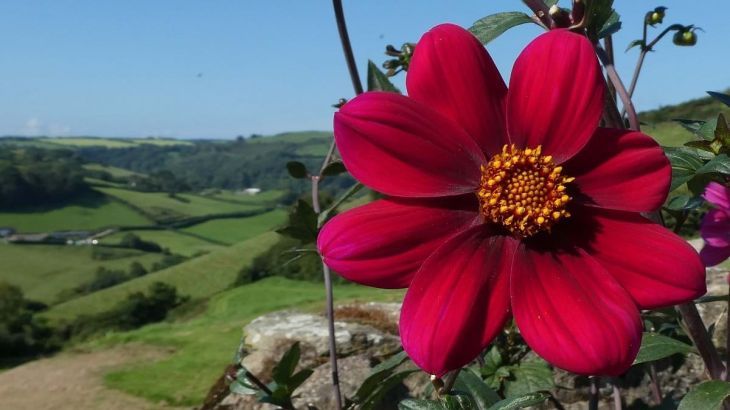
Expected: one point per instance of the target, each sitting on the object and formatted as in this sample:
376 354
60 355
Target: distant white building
251 191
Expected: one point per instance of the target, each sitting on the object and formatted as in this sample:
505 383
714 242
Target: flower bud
656 17
686 37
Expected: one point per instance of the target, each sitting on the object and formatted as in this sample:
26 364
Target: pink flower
508 203
715 227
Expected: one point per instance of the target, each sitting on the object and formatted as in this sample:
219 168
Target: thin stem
608 45
593 401
541 10
450 380
255 380
617 404
620 89
346 46
698 333
656 388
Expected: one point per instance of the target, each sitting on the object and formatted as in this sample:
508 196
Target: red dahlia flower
508 203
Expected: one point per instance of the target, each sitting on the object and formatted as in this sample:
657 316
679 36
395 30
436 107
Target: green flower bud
686 37
656 17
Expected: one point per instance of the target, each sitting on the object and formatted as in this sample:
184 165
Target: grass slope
42 271
91 212
113 171
161 206
81 142
176 242
198 278
205 345
233 230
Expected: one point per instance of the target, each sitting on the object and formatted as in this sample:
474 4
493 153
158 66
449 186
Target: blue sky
217 69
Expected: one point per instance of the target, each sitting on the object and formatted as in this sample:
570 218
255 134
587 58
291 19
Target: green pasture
43 271
198 278
176 242
233 230
89 212
206 344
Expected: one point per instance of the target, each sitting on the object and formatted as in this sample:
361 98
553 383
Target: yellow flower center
523 191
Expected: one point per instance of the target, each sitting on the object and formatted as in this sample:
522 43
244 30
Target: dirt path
74 381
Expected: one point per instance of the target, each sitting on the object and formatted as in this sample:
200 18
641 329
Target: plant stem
327 275
617 404
255 380
698 333
541 10
608 45
346 46
450 380
656 389
620 89
593 401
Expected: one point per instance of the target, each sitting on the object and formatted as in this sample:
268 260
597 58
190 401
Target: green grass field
206 344
233 230
92 212
271 196
114 171
198 278
42 271
162 207
176 242
293 137
81 142
668 134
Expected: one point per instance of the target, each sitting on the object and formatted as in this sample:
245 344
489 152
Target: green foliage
22 333
35 176
655 346
382 379
282 260
482 394
302 224
133 241
488 28
297 170
378 81
709 395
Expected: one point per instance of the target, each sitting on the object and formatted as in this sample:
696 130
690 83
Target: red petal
458 301
555 94
656 267
452 72
624 170
383 243
402 148
573 313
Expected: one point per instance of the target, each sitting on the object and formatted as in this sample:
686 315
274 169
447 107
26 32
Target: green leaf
720 164
611 26
598 13
458 401
722 132
685 163
382 388
302 223
297 169
528 377
488 28
238 387
655 346
285 368
325 215
378 81
634 44
472 384
521 402
334 168
702 129
684 202
377 374
708 395
723 98
420 404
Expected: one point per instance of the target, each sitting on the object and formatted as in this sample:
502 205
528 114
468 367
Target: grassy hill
43 271
198 278
176 241
233 230
204 345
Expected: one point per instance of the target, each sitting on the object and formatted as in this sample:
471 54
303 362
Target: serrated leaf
709 146
334 168
420 404
521 402
488 28
482 395
297 169
655 346
685 163
611 26
528 377
598 13
634 43
283 370
378 81
723 98
709 395
722 131
684 202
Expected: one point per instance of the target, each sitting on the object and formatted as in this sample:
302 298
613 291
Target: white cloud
34 127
